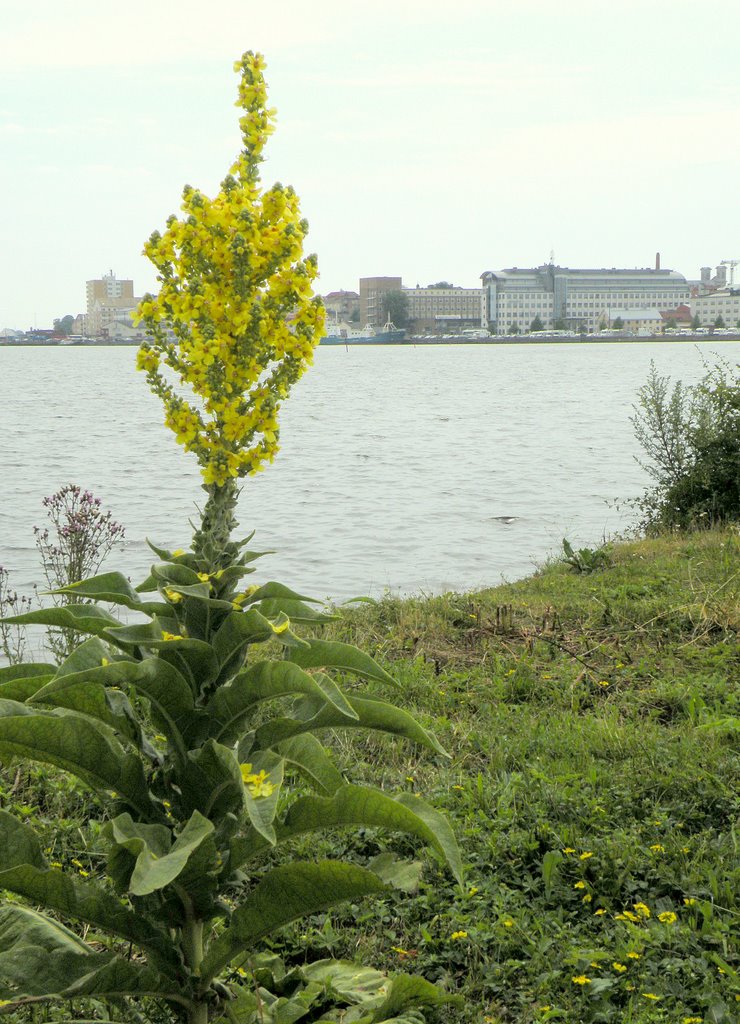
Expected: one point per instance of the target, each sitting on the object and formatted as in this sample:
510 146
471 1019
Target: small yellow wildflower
667 917
641 909
634 956
689 901
603 682
684 849
55 864
587 898
508 923
458 935
172 595
241 972
692 1020
472 890
568 849
459 788
599 912
258 784
204 577
580 885
619 967
170 636
649 995
657 848
76 863
586 855
104 662
581 979
167 804
85 874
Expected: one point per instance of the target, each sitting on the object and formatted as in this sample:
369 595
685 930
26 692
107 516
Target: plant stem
212 540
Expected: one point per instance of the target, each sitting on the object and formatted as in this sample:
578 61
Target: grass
592 722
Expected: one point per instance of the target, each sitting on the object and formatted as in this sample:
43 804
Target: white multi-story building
711 305
576 299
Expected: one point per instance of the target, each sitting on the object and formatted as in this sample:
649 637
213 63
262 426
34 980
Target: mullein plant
200 723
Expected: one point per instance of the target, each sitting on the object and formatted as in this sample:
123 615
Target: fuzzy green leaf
307 754
19 682
84 618
371 714
113 588
230 706
18 844
41 958
72 742
346 657
155 868
286 894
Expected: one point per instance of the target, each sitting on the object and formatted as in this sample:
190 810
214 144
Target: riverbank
592 722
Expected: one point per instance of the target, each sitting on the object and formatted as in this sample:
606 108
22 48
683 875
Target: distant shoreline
422 342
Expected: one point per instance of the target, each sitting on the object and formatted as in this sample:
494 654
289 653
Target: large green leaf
72 742
307 754
211 781
409 992
271 590
365 807
297 611
19 682
113 588
41 958
155 869
84 618
85 901
371 714
18 844
193 659
286 894
333 654
230 707
238 630
171 698
262 808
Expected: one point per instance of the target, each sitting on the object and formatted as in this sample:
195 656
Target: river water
399 466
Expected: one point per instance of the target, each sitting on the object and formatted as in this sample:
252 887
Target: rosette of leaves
201 727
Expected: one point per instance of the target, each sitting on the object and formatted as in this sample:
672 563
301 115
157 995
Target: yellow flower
458 935
587 898
85 874
599 912
580 885
76 863
568 849
472 890
508 923
641 909
634 956
650 995
657 848
172 595
619 967
603 682
104 662
280 627
204 577
667 917
692 1020
176 554
258 784
586 855
171 636
689 901
581 979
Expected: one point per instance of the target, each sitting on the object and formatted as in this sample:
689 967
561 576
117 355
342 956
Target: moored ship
345 334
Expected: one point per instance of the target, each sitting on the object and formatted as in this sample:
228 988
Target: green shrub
691 438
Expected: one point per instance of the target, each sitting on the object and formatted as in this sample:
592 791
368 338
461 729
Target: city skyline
424 142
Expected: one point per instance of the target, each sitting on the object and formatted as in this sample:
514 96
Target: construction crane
731 264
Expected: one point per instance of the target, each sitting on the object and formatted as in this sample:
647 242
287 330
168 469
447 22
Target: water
396 467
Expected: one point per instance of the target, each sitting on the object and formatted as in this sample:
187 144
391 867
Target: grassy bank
593 724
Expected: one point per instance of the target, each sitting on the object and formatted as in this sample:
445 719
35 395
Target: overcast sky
426 139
